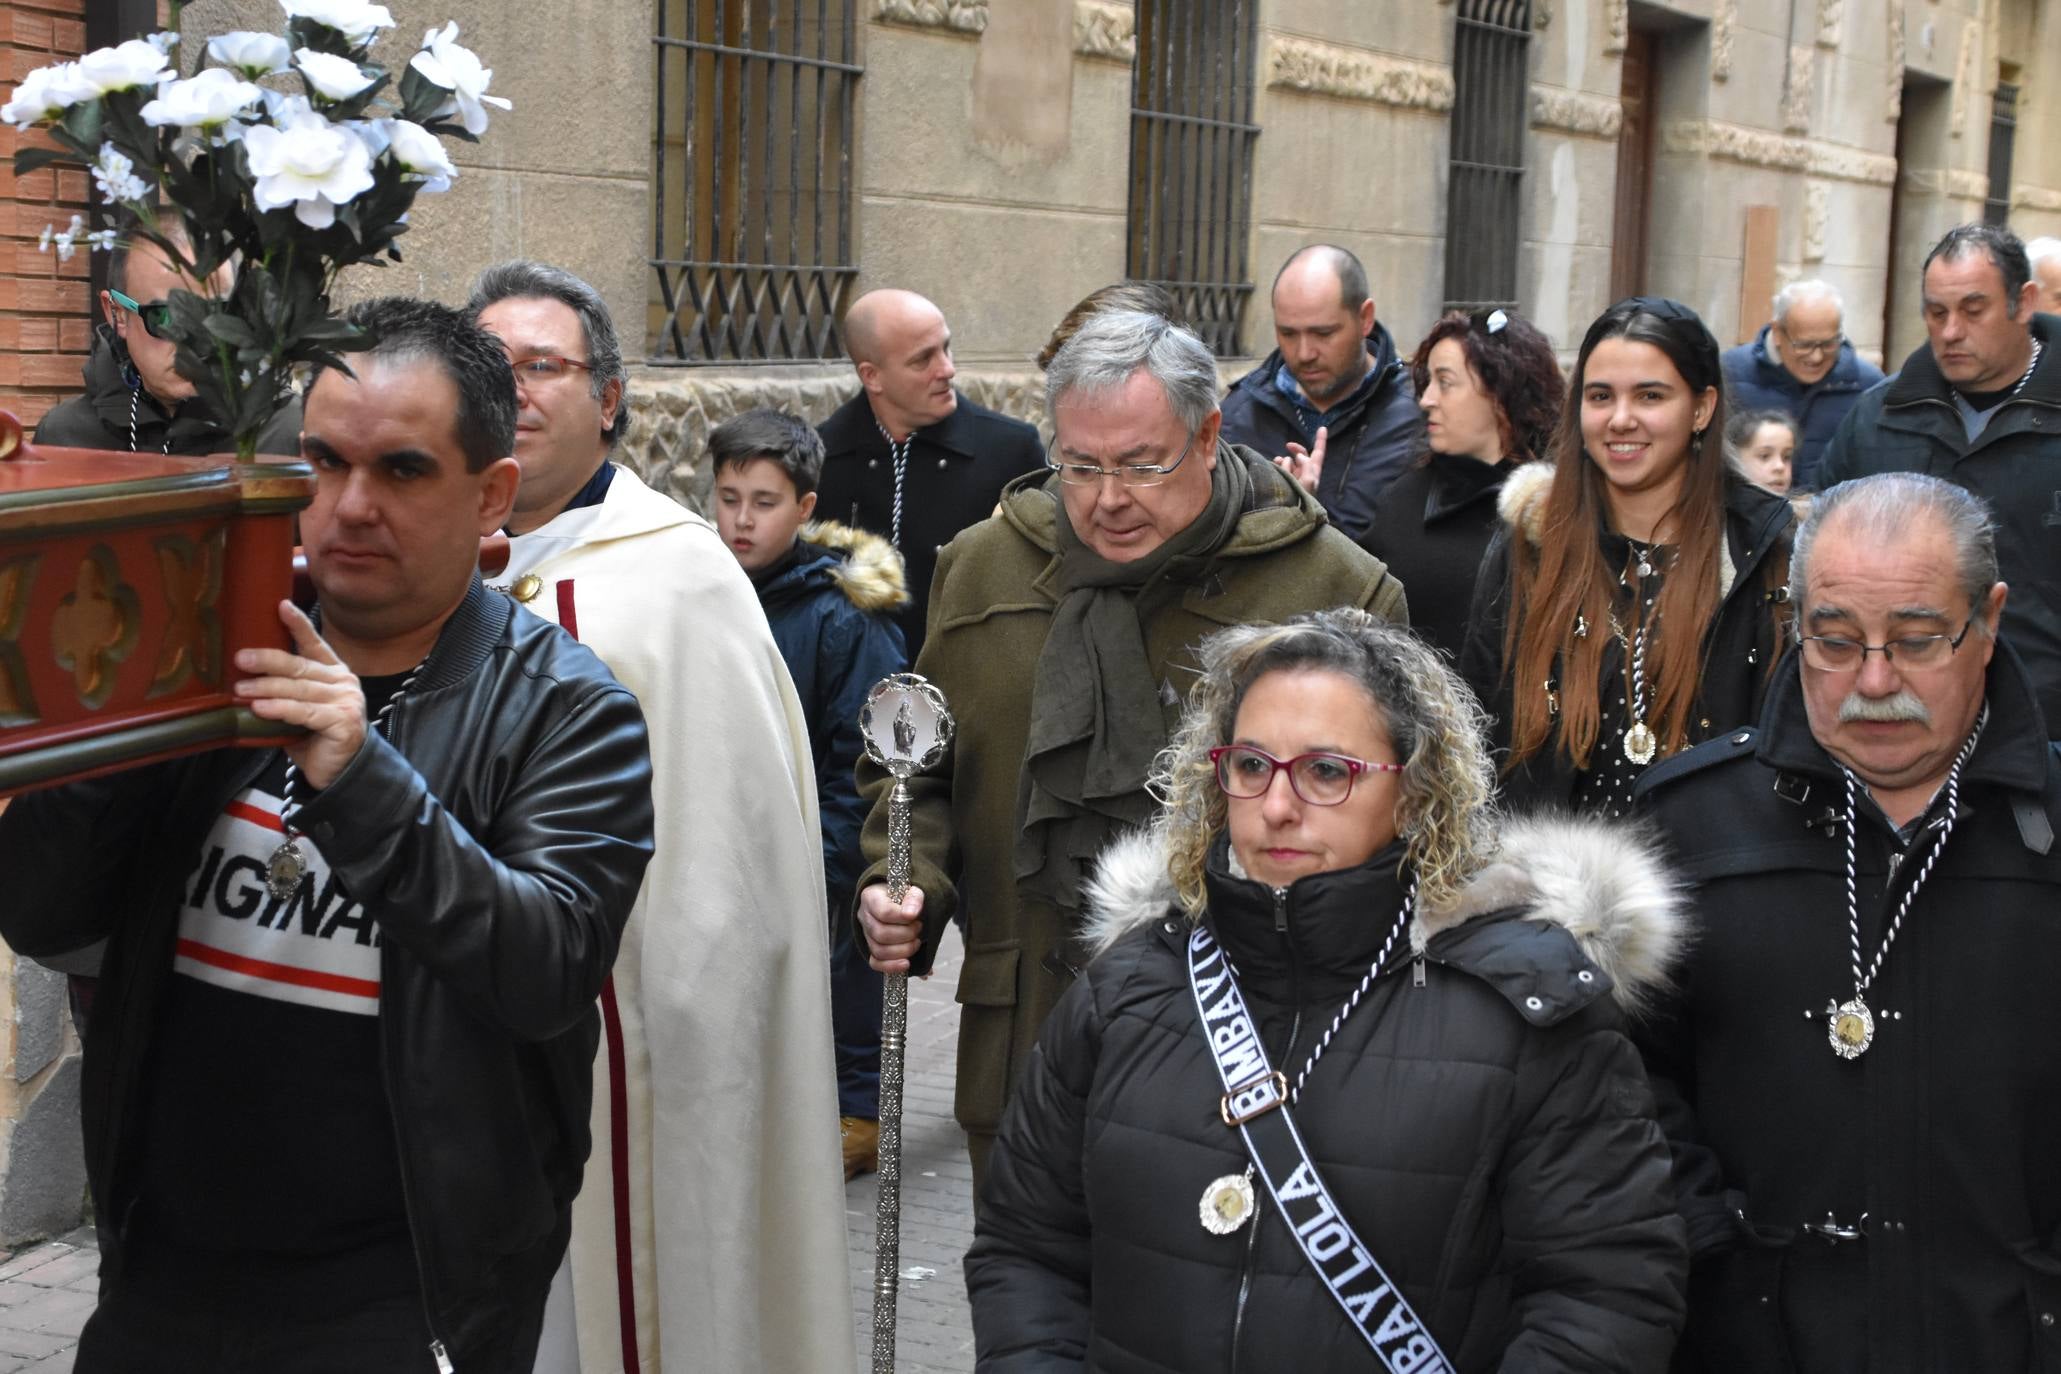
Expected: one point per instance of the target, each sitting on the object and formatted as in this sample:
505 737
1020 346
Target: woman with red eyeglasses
1347 1086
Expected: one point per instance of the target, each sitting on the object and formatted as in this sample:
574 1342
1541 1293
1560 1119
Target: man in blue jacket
1333 394
1802 363
830 593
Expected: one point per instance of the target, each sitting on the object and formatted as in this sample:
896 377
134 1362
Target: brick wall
44 322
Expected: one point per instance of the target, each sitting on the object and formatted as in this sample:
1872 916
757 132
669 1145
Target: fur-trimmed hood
1606 885
870 573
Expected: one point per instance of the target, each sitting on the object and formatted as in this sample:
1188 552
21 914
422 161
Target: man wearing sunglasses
1802 364
1064 637
1857 1073
712 1085
135 401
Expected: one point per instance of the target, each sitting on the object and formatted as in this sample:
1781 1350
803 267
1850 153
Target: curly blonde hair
1444 813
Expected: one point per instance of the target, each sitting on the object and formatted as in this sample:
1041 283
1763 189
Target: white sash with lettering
1255 1100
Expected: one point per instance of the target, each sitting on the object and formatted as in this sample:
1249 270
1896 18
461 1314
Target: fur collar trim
870 574
1606 885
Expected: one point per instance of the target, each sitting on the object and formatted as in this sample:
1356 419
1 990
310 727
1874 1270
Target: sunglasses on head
156 315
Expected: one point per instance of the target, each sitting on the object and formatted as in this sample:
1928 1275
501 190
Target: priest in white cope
709 1233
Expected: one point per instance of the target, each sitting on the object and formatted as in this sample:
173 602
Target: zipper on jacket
436 1342
1259 1212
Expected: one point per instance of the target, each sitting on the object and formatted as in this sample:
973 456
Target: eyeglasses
1833 654
1319 779
1814 346
545 367
1129 474
156 315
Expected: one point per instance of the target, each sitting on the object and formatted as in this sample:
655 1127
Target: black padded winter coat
1480 1117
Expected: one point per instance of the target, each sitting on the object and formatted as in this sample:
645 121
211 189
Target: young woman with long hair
1491 391
1630 606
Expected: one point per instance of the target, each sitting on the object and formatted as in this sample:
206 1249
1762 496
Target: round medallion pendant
1226 1203
526 588
1850 1026
1640 743
285 869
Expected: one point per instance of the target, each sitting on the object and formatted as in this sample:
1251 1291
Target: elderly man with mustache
1857 1071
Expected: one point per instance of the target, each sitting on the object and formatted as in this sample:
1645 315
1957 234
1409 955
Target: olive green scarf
1097 720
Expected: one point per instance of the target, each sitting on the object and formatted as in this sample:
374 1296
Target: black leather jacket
515 741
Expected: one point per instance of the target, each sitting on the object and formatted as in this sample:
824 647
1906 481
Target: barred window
1485 171
751 186
1192 133
2003 134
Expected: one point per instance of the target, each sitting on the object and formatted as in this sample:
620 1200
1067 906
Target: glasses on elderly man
1814 347
545 367
1319 779
1129 474
1837 654
155 315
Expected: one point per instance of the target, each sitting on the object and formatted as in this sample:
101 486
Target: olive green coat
990 608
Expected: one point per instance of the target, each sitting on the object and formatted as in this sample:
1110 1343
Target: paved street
47 1290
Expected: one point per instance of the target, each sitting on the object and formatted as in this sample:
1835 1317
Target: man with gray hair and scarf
1063 632
1857 1075
716 1038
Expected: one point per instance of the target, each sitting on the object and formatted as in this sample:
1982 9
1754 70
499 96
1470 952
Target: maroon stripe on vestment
618 1108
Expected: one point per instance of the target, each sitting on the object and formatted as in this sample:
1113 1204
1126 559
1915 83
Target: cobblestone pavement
47 1290
933 1327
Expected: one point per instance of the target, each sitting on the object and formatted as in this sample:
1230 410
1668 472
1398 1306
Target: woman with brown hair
1490 390
1629 607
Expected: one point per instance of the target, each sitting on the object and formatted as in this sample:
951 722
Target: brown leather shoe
861 1145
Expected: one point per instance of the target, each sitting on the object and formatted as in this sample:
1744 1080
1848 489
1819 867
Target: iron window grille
1485 170
752 179
2003 134
1192 133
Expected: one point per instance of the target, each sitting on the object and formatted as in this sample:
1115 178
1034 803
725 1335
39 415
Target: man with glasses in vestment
1803 365
1063 634
714 1108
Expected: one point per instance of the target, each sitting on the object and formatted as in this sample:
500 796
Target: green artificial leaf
231 330
27 160
83 122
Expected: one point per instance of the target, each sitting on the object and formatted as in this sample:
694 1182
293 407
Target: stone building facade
988 153
991 158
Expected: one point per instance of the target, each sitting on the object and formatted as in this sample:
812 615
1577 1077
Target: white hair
1796 292
2042 249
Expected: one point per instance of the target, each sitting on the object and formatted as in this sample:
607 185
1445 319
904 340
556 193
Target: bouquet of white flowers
289 182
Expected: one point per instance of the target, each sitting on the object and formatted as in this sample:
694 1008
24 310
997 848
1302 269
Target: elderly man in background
1857 1076
1980 405
1332 398
909 458
135 400
2045 256
1063 635
1801 363
713 1110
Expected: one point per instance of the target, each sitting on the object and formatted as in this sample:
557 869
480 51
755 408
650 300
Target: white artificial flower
373 133
63 240
122 67
116 177
208 100
250 53
420 152
44 94
310 164
357 21
164 41
444 63
103 239
332 77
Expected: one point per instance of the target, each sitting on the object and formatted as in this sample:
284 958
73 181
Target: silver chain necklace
1850 1025
288 865
1640 743
899 452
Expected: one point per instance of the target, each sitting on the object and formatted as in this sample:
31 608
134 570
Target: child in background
829 592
